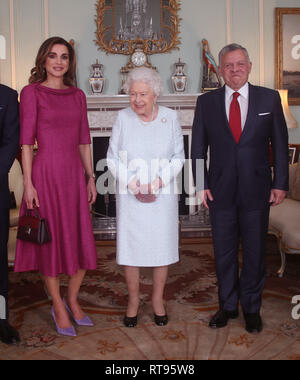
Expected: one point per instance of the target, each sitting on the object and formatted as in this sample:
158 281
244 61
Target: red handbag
33 228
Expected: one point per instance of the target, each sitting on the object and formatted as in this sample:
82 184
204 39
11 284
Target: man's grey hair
232 47
145 75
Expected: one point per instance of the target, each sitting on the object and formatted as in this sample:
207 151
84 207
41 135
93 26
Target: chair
284 220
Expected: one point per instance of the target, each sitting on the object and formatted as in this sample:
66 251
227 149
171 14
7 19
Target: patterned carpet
191 296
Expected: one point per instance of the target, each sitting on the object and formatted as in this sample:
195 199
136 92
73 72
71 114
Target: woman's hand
134 186
31 197
145 194
91 190
86 159
146 198
156 185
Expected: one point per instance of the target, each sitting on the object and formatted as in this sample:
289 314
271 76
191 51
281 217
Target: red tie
235 117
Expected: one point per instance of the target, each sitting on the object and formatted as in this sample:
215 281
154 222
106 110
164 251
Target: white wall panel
245 31
5 65
29 33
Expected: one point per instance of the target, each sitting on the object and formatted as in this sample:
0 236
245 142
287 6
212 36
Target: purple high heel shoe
69 331
82 322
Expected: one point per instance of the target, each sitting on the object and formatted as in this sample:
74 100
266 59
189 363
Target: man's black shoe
221 318
253 323
8 334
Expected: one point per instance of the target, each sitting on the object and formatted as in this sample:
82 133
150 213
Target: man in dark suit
237 123
9 141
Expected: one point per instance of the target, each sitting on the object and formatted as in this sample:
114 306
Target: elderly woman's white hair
145 75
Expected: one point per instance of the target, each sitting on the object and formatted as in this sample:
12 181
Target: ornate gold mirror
125 25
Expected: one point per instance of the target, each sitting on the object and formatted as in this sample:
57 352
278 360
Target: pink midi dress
57 119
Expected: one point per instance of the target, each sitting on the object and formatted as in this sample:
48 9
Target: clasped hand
145 193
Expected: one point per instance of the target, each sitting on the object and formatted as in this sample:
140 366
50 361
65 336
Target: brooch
163 120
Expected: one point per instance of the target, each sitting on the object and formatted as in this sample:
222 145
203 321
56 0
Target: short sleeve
28 115
85 137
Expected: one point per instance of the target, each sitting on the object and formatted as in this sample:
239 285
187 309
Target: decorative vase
179 79
97 80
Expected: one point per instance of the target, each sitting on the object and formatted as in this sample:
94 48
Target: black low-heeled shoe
8 334
130 321
161 320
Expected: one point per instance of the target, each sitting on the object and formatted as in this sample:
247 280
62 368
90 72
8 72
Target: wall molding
46 18
261 35
12 43
261 44
228 20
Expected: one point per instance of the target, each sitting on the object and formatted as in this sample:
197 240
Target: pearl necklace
152 118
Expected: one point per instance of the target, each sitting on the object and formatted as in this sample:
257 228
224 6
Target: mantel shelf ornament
211 78
97 80
179 79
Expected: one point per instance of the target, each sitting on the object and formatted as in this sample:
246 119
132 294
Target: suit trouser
4 229
229 227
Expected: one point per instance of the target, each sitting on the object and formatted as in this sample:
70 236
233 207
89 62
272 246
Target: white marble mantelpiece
103 109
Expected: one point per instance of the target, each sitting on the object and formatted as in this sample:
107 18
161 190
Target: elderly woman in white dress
146 155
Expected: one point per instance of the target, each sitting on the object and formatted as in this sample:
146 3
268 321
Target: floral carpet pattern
191 299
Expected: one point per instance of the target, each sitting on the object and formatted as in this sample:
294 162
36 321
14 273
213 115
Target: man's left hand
277 197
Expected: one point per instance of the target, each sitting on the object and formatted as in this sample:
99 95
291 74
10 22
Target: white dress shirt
243 100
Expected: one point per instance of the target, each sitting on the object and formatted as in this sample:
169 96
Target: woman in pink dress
59 180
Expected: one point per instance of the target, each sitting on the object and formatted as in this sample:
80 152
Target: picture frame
122 25
287 52
292 154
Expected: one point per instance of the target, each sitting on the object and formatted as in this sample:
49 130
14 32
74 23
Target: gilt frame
127 46
287 52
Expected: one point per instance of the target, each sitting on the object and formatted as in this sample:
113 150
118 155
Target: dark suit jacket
9 138
240 173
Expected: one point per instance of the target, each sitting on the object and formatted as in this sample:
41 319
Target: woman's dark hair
39 74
